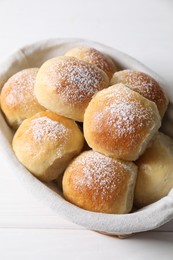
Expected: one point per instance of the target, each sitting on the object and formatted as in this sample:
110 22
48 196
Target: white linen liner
147 218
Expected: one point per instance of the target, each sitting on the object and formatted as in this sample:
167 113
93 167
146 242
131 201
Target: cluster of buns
81 121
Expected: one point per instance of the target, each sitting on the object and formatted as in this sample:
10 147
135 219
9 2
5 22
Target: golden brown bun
17 98
65 85
98 183
46 142
155 175
93 56
120 123
144 85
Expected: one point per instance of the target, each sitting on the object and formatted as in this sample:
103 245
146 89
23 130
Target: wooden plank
62 244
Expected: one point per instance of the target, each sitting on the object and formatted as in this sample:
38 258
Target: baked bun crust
65 85
98 183
144 85
46 142
155 174
17 98
93 56
120 123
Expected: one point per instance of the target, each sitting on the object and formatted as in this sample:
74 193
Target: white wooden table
141 28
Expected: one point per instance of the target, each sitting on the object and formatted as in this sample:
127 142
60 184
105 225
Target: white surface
142 28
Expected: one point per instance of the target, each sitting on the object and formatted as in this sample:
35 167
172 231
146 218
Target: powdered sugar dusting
124 115
76 81
97 58
101 174
44 128
141 83
21 87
